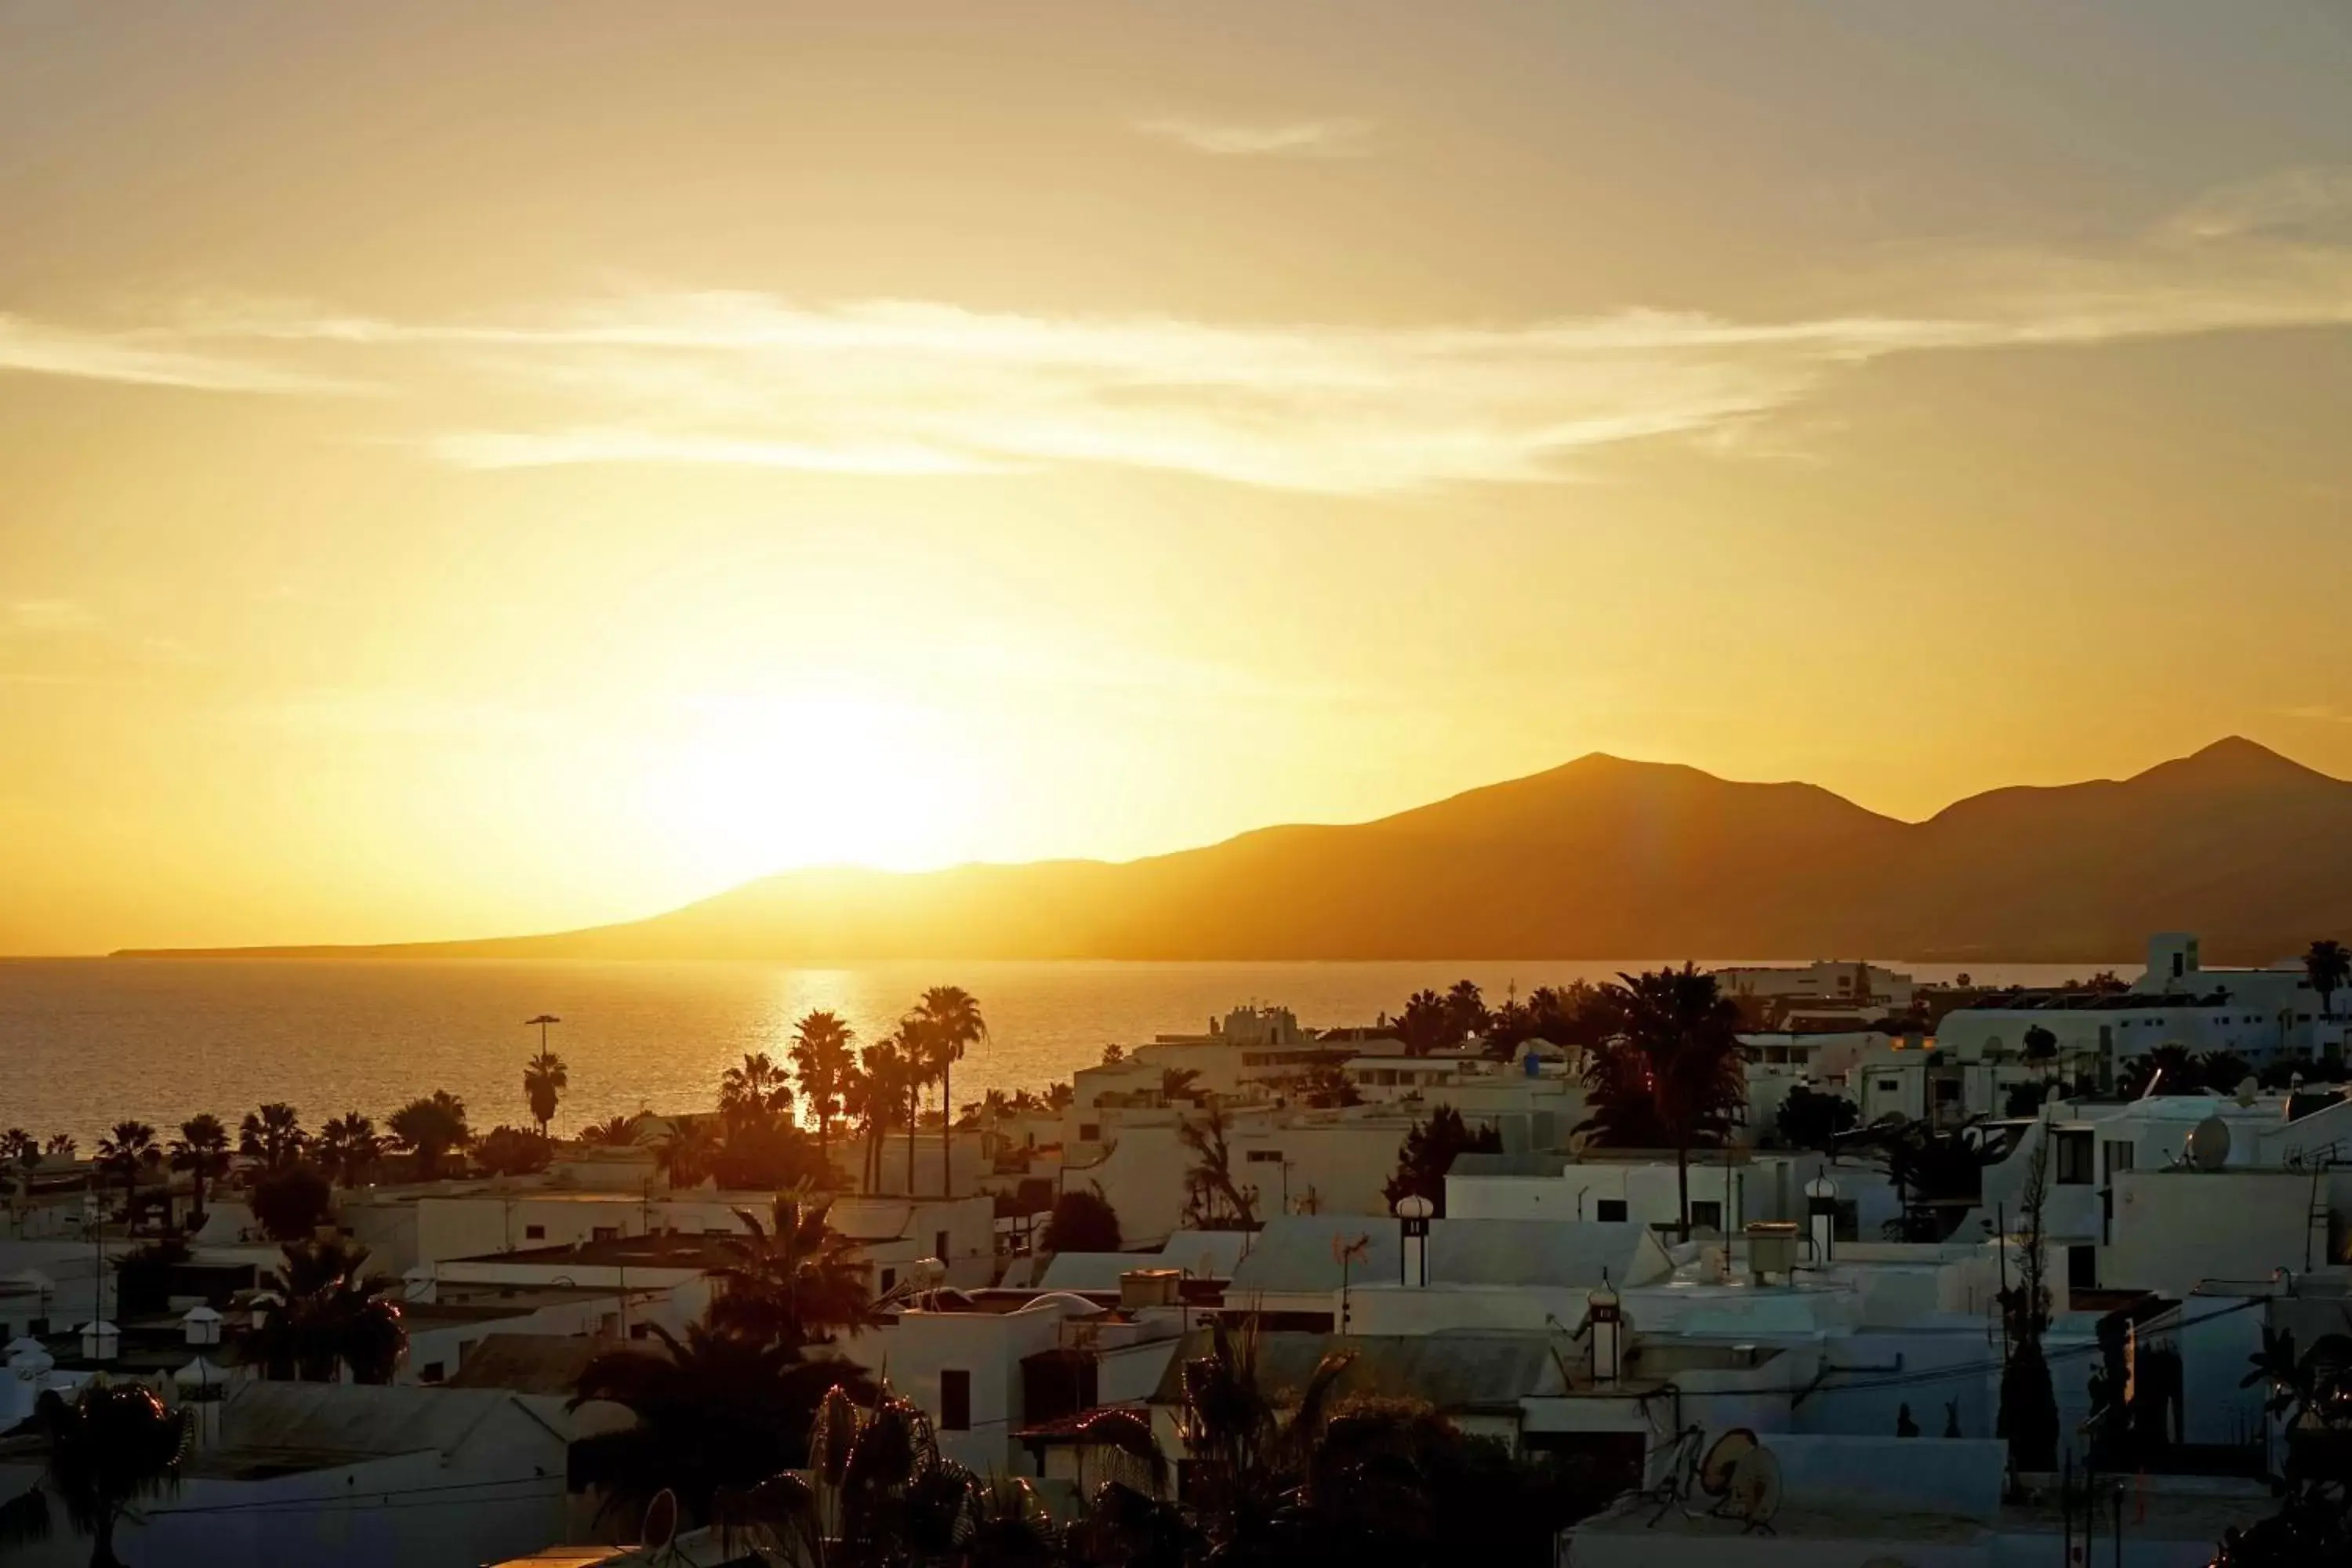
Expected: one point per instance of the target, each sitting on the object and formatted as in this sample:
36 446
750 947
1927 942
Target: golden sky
467 469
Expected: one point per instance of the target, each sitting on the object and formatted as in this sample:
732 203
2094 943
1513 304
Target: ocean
85 1043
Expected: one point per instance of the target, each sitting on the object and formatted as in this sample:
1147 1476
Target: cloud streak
145 359
923 389
1337 137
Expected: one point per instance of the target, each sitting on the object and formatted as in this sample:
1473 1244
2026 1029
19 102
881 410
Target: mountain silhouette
1602 858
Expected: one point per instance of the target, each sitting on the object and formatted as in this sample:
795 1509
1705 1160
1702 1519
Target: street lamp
541 1024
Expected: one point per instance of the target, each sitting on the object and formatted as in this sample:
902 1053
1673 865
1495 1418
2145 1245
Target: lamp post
541 1024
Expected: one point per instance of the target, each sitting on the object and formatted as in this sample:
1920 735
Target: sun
749 786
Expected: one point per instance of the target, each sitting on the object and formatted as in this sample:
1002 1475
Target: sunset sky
472 468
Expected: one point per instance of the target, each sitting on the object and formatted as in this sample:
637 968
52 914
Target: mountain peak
2233 759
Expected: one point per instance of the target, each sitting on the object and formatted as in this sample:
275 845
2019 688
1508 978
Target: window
940 1245
534 1232
1707 1217
1264 1157
641 1331
1089 1131
955 1400
889 1279
2118 1153
1609 1210
2074 1159
605 1233
430 1372
2082 1268
1890 1086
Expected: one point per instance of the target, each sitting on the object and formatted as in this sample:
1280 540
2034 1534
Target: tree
2040 1046
1428 1152
1326 1086
2029 1403
793 1281
506 1151
59 1148
713 1411
128 1148
18 1147
429 1129
1937 1173
615 1131
1677 1073
202 1151
544 1079
349 1148
686 1155
1176 1083
1250 1449
821 1060
292 1202
272 1136
753 1093
1082 1221
108 1449
2311 1396
1213 1200
945 1021
2329 966
1426 1024
332 1315
1810 1119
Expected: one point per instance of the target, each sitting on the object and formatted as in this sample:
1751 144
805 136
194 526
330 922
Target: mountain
1603 857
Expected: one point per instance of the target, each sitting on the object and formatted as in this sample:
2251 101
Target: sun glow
757 785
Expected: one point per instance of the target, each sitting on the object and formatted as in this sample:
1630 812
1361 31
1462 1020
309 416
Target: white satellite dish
2209 1144
661 1523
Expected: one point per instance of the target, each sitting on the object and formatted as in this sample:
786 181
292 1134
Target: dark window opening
955 1400
534 1232
1707 1216
1609 1209
939 1246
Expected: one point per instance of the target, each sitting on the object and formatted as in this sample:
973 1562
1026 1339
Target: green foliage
1083 1220
428 1129
514 1152
292 1201
333 1315
272 1136
1811 1119
112 1446
1428 1152
791 1281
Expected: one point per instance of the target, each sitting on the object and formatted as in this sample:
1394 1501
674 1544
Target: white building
1847 984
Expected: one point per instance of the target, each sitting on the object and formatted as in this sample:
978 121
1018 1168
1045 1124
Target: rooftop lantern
100 1341
1412 1211
202 1326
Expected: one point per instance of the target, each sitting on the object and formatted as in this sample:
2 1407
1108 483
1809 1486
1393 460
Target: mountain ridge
1597 857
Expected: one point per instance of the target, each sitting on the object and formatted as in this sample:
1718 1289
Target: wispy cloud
34 617
146 359
911 388
1337 137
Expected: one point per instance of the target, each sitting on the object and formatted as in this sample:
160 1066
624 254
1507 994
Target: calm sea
86 1042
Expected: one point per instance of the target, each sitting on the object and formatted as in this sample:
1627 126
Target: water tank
1771 1248
1142 1287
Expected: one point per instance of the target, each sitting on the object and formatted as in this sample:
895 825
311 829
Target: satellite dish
1755 1492
2209 1144
1722 1457
661 1521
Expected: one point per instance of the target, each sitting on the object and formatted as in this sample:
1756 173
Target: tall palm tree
755 1093
349 1147
1214 1199
430 1128
544 1079
615 1131
18 1147
60 1147
333 1315
1680 1054
202 1151
126 1148
713 1411
272 1136
792 1280
2330 965
685 1156
820 1058
112 1446
1256 1446
946 1021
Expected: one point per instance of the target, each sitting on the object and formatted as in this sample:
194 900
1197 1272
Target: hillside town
1733 1268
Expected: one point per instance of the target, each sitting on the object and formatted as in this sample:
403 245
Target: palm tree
946 1021
429 1129
272 1136
685 1156
755 1093
1251 1450
349 1148
202 1151
1214 1200
615 1131
334 1314
2330 965
820 1059
60 1147
1678 1066
18 1147
122 1152
713 1411
1176 1083
112 1446
544 1079
793 1281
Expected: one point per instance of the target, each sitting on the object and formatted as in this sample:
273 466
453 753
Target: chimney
1412 1212
1821 1219
1607 1315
